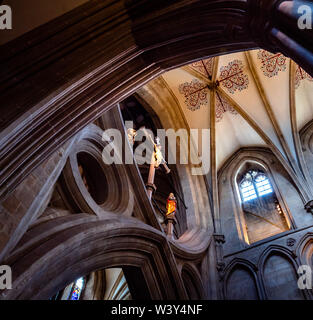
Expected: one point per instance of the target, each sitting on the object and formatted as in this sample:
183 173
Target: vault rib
270 113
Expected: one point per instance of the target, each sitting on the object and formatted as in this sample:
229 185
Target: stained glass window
77 289
263 215
254 184
263 185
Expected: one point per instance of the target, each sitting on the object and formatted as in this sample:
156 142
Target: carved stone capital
151 186
220 266
219 238
309 206
170 218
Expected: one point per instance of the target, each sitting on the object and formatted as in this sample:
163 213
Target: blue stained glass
75 295
253 181
77 288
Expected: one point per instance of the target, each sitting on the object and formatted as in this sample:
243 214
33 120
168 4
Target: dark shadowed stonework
66 215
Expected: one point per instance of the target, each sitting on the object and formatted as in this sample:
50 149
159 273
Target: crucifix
157 159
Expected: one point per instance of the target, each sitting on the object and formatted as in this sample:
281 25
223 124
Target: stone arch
192 281
266 158
87 81
90 147
286 221
281 179
305 249
278 274
241 282
306 138
69 247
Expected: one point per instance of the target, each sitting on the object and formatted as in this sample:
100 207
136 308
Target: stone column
279 22
170 221
220 264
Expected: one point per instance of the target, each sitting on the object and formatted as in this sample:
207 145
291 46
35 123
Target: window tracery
262 212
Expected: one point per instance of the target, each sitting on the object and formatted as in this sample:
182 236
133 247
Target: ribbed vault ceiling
260 99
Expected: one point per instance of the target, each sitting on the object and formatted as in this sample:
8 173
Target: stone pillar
279 24
293 49
220 264
170 221
296 13
219 241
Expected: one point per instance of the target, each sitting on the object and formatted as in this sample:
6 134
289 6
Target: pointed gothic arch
247 272
99 243
227 180
285 286
262 211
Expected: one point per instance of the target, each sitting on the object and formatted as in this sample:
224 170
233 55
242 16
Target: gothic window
263 214
254 184
77 288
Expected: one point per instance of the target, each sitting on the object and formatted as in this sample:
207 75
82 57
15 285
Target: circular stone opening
93 177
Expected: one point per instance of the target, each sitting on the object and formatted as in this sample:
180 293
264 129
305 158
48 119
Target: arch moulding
64 74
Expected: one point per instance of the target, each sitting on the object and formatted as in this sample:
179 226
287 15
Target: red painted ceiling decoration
195 93
205 67
301 75
233 78
272 63
222 106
